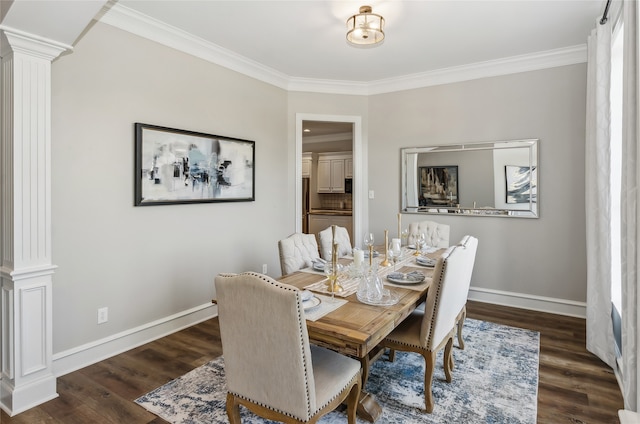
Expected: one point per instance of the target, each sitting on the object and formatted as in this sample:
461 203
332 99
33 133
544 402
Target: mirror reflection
498 178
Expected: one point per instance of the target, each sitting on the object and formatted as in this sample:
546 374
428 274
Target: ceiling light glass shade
365 29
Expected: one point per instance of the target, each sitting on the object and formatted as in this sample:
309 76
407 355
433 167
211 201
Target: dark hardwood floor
574 386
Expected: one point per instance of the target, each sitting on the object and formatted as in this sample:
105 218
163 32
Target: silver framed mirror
496 178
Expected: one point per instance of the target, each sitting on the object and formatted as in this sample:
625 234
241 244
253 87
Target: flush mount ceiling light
365 29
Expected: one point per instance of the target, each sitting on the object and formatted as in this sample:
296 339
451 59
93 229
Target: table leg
368 407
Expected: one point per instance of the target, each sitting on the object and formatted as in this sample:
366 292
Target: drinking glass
404 237
422 240
368 240
332 275
394 253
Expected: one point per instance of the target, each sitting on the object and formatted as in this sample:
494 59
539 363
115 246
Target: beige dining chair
270 367
342 239
297 251
428 331
436 234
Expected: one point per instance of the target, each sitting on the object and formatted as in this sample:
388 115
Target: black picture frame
174 166
521 184
439 186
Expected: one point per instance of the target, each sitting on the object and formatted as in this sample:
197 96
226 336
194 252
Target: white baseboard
90 353
528 301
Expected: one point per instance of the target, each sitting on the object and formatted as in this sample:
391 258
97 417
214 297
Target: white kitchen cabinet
318 223
348 167
307 159
331 172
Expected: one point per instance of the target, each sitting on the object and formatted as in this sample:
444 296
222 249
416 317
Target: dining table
355 328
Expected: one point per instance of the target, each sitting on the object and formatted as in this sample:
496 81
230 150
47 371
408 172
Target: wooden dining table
356 329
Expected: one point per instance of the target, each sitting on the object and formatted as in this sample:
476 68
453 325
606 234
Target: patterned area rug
495 380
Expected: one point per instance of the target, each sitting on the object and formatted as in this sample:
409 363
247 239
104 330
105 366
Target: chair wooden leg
352 403
460 325
392 355
429 360
448 359
233 409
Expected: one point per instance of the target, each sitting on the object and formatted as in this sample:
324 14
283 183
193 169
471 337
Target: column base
14 400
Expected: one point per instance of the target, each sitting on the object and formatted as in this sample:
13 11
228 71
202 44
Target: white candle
399 225
358 257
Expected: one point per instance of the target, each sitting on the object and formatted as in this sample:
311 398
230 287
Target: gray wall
147 263
539 257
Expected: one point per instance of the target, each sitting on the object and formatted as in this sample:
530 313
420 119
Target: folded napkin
410 276
306 295
423 260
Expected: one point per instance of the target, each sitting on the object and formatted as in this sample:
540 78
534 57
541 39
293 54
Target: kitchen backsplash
335 201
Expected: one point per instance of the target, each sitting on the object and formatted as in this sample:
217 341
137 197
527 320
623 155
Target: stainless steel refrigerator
305 205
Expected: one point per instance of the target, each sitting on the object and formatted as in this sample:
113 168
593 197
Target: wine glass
394 253
332 275
368 241
422 240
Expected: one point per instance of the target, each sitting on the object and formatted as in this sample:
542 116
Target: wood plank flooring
574 386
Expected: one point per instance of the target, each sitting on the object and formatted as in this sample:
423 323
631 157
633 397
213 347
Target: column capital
14 40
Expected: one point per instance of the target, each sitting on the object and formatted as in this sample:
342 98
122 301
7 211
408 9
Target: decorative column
26 268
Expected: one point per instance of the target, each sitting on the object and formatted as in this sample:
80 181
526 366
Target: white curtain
600 339
629 207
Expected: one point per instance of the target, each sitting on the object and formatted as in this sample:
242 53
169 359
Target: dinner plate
428 262
404 279
311 304
375 254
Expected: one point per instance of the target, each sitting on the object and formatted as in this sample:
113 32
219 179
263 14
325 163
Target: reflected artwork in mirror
498 178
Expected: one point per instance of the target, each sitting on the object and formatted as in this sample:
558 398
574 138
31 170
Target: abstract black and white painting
438 186
178 166
521 184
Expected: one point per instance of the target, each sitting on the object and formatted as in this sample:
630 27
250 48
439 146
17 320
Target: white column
26 267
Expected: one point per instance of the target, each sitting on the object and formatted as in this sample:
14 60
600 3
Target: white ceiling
306 39
300 45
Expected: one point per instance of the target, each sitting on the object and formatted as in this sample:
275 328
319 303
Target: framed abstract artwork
438 186
174 166
521 184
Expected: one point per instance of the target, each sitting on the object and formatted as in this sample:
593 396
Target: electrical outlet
372 195
103 315
264 268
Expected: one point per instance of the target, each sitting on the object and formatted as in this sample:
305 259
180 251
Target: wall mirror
498 178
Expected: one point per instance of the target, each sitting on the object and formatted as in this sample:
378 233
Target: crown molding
129 20
493 68
144 26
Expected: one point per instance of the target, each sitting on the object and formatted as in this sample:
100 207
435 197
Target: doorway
329 126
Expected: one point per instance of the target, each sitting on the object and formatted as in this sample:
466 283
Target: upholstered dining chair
342 239
428 331
271 369
437 235
297 251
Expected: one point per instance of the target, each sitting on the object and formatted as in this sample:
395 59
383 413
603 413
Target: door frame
359 170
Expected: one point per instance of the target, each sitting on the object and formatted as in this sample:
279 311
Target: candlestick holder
332 276
386 262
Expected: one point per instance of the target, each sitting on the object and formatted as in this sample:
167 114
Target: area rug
495 380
